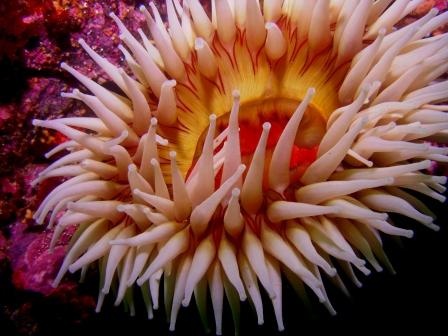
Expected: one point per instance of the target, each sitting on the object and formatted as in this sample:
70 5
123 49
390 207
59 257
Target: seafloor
35 37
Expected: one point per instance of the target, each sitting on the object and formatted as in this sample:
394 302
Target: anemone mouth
276 112
283 179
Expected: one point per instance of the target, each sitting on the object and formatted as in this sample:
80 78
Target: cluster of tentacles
266 141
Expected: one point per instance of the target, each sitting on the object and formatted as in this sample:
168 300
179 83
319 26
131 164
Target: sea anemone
261 141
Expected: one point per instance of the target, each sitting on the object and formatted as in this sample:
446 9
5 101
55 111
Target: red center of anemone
250 132
301 157
250 135
278 113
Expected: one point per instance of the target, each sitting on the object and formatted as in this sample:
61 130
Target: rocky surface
35 37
